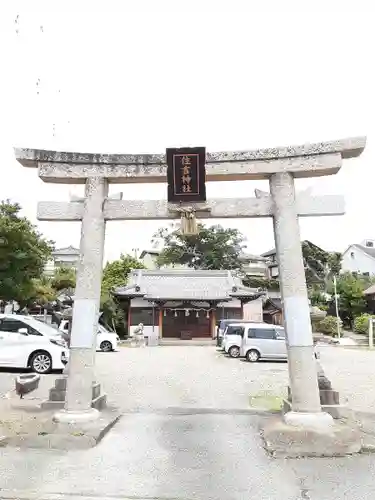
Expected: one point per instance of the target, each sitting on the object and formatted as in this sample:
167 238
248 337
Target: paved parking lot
201 377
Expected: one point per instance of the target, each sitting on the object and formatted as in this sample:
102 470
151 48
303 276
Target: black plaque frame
197 174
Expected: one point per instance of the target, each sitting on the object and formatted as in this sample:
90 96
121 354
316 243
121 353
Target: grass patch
265 400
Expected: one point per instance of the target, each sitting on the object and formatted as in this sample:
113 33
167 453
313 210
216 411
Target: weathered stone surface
302 166
309 160
222 208
284 441
65 436
348 148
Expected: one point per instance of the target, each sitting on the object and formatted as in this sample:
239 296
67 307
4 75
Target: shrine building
184 303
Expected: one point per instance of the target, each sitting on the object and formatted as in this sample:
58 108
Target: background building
62 257
184 303
359 258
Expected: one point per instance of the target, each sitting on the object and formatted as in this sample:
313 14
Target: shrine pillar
306 408
161 322
213 323
86 307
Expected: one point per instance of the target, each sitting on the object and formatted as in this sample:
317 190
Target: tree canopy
350 290
23 253
320 265
214 247
64 278
116 274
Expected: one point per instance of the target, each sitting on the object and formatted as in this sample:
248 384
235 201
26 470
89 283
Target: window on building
370 244
366 274
352 255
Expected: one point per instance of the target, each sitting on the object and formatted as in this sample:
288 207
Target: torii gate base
280 166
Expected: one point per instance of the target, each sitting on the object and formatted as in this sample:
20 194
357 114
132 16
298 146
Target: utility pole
337 308
371 333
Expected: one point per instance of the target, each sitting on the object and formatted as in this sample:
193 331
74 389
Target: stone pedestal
293 441
329 400
57 395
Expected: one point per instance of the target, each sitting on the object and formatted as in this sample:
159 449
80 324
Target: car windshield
225 322
103 329
42 327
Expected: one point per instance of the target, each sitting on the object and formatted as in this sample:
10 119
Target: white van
255 341
232 339
263 341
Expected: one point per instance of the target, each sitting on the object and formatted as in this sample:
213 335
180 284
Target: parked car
263 342
28 343
255 341
106 340
222 325
232 337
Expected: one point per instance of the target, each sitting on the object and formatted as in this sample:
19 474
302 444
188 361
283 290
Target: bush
329 326
361 323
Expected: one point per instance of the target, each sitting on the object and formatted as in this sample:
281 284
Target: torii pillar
280 166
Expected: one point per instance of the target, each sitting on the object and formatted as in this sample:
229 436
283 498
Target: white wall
359 263
253 311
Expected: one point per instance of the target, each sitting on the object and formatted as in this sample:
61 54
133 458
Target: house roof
154 251
274 302
273 251
248 256
184 284
269 253
70 250
370 290
367 250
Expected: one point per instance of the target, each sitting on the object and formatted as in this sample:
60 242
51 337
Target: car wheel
252 356
234 351
106 346
41 362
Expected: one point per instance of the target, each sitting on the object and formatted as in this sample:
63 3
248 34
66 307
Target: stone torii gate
280 166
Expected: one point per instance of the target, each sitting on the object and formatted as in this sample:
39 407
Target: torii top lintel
308 160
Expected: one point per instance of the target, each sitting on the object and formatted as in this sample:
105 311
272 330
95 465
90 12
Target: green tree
320 266
263 283
212 248
42 292
116 274
23 253
63 278
350 296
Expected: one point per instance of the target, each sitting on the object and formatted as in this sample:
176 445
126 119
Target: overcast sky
137 77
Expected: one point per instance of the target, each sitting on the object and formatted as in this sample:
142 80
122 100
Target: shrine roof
70 250
184 284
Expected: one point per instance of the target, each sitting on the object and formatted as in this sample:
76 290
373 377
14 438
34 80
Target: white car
105 341
28 343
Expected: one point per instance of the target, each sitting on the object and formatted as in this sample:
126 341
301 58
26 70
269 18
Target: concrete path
165 457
